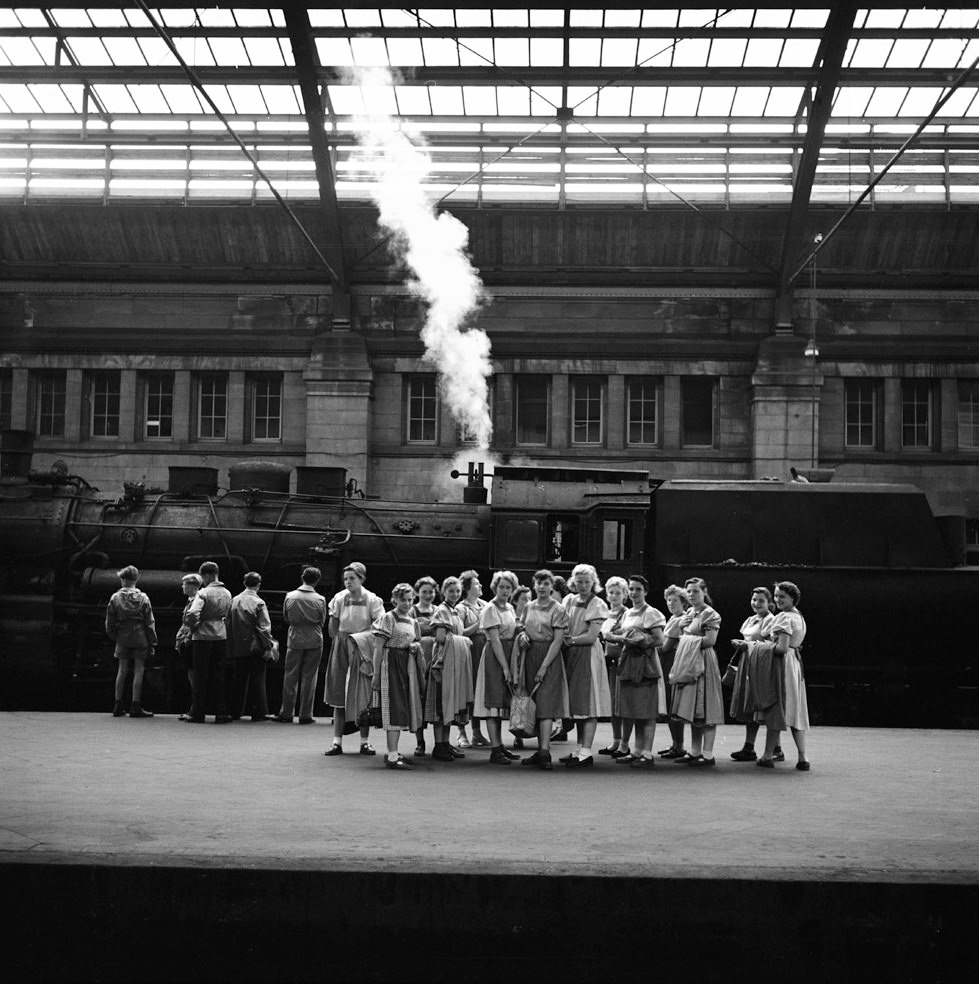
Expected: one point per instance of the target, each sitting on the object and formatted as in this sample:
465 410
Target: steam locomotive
885 605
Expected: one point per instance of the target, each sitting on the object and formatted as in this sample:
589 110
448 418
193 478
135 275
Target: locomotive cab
559 517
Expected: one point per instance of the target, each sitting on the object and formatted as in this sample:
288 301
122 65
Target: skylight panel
957 18
784 101
446 100
334 52
654 53
750 100
122 51
908 53
619 51
507 17
870 53
438 16
440 51
51 99
8 18
362 16
115 98
716 100
413 100
727 52
479 100
22 54
943 53
66 17
333 17
546 51
476 51
648 100
281 99
156 52
886 102
544 100
919 101
659 18
808 18
852 100
405 51
173 16
148 98
880 17
546 18
218 17
229 51
194 51
959 103
773 18
692 51
583 100
182 98
368 52
586 18
513 100
799 52
264 51
585 52
512 51
31 17
615 100
682 100
763 52
222 100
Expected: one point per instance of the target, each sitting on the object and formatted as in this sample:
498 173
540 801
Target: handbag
729 675
370 717
523 707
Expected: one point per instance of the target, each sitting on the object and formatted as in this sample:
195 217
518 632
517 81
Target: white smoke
433 247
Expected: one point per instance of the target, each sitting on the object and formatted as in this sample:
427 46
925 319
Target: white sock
393 756
584 753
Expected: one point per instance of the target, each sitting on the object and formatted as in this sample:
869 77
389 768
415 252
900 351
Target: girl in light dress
699 700
677 603
791 709
616 590
422 611
398 673
471 607
494 681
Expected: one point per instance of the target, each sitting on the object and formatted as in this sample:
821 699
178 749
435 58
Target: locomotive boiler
880 592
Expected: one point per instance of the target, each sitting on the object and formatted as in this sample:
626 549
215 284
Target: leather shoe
223 719
578 763
282 720
803 766
307 720
745 755
609 750
334 750
765 763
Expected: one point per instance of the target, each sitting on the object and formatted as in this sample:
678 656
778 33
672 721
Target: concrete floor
896 806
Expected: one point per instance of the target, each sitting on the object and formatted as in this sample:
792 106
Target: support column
338 382
785 389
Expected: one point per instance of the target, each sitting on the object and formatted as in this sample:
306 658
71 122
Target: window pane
562 540
586 411
969 413
861 413
698 412
6 398
213 412
643 394
266 396
104 390
533 409
422 409
158 409
616 539
520 541
915 413
50 406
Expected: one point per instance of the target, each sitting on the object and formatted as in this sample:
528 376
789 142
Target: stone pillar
338 382
560 434
616 407
785 389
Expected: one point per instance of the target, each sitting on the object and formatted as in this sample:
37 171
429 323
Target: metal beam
831 54
307 66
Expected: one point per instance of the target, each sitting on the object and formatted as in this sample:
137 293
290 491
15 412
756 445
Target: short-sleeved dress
671 631
588 691
471 611
639 689
612 649
755 628
792 708
423 616
701 702
540 622
348 674
397 675
492 693
449 687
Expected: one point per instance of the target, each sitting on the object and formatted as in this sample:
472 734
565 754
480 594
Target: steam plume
433 247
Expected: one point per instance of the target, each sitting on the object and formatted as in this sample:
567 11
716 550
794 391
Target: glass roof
535 106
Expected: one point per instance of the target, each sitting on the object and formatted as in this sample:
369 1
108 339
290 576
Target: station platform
161 850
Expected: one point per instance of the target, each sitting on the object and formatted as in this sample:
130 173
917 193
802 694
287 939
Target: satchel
523 715
370 717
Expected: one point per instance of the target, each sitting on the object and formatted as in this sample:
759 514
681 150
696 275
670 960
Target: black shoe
559 734
609 750
138 711
499 757
442 752
283 720
699 762
456 752
333 750
577 763
307 720
567 758
190 719
778 755
222 719
118 711
509 754
745 755
803 766
619 753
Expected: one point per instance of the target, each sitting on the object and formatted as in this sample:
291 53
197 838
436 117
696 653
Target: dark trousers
248 694
210 677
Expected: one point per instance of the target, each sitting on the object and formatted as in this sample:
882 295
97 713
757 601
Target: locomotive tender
884 603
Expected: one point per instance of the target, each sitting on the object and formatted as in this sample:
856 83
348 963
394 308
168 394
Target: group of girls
443 656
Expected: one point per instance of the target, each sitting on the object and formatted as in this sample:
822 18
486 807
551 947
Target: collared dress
701 702
398 673
755 628
492 693
640 694
612 624
449 687
349 673
671 631
540 622
588 691
423 616
792 708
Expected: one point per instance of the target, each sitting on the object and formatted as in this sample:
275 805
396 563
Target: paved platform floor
879 805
